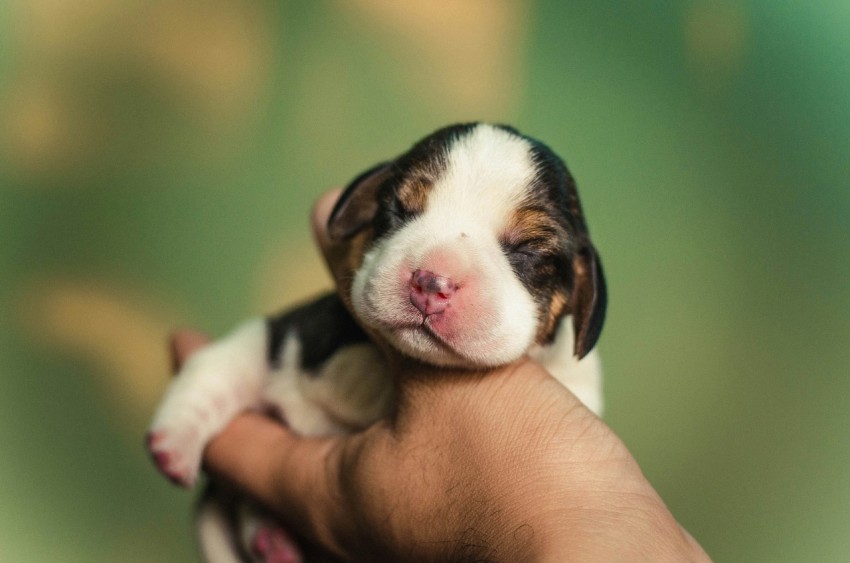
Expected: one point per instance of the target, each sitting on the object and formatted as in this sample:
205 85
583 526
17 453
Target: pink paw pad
273 545
170 463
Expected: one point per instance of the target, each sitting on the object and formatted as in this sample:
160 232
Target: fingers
297 477
320 215
184 343
335 252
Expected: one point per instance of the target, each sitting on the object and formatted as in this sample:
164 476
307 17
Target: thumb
299 478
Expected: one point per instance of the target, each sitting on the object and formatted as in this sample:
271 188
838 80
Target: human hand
502 465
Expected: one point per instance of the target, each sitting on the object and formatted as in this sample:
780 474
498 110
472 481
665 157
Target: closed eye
528 246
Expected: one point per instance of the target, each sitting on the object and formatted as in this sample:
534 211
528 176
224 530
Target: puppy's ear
357 205
588 301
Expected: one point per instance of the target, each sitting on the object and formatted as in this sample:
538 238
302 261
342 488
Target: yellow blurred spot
121 334
464 55
44 129
36 127
214 54
94 79
47 29
715 40
41 132
39 124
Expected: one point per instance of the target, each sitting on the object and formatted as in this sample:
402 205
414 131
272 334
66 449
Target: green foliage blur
158 161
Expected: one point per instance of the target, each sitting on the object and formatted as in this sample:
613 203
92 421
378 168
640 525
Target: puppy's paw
177 451
271 544
213 386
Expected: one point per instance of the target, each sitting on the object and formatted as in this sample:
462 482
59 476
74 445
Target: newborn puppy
468 251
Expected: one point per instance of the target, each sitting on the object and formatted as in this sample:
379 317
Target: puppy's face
473 249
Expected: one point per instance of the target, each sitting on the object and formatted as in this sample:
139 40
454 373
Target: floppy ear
357 205
588 301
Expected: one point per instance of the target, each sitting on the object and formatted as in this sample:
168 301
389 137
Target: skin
502 465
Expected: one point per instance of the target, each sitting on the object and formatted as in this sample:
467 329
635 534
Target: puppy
468 251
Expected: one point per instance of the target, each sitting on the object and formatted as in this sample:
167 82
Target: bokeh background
158 160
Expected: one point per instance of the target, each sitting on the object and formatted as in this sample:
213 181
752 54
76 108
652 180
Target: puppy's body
469 251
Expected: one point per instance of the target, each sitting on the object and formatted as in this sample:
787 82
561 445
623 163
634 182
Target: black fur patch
322 327
548 235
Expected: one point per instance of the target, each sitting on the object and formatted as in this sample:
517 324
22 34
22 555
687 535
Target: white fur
353 387
212 527
285 389
216 383
231 375
351 391
487 175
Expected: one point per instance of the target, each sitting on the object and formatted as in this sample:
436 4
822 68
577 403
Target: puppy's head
470 248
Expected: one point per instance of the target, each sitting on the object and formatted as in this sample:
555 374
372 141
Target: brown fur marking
535 229
534 226
557 308
413 195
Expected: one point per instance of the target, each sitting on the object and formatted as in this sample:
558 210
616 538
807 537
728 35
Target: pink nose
430 293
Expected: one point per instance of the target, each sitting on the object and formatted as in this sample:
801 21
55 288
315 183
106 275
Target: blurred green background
158 160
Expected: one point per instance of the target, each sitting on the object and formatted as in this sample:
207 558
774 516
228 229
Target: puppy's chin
421 345
425 342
